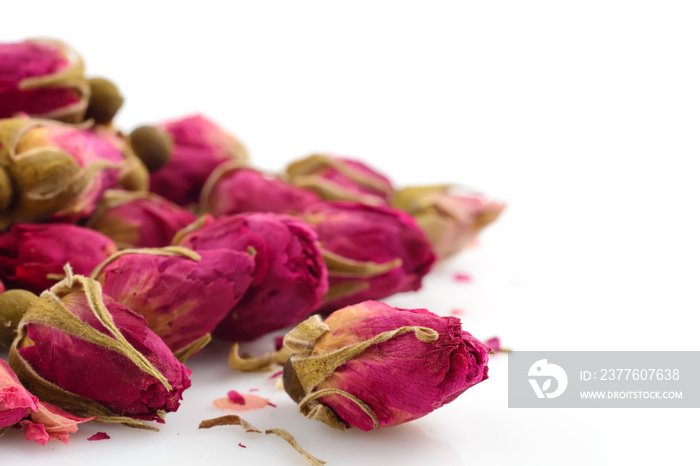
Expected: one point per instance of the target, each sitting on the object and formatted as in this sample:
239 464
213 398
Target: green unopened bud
152 145
13 305
105 100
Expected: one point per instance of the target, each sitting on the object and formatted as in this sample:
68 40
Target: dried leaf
283 434
230 420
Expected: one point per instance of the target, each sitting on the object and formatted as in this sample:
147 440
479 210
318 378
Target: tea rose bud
139 220
32 256
233 189
56 170
199 146
182 294
13 306
289 279
50 422
450 219
42 78
341 179
371 251
91 356
15 401
371 365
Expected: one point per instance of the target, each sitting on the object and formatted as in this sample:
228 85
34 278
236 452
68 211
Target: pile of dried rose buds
122 254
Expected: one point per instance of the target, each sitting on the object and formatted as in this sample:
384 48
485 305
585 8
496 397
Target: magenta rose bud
15 401
341 179
450 219
371 365
233 189
32 256
199 146
371 251
55 171
139 219
182 294
290 278
87 354
42 78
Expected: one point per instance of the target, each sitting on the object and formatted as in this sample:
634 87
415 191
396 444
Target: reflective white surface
582 117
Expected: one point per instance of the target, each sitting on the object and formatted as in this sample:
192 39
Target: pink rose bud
450 219
51 423
290 278
371 365
183 295
371 251
15 401
139 220
341 179
32 256
91 356
199 146
42 78
55 170
234 189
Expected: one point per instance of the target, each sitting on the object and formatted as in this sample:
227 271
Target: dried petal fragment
249 403
99 436
51 423
15 401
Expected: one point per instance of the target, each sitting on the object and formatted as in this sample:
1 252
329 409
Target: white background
582 116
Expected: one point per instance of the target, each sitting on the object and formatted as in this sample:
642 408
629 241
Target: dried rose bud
371 252
234 189
183 295
450 219
289 280
341 179
105 100
199 146
13 306
91 356
50 422
371 365
56 170
43 78
15 401
139 220
32 256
